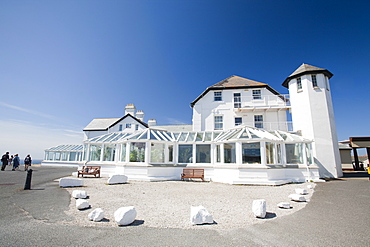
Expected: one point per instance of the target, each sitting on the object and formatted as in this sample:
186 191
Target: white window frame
237 100
217 96
239 123
314 81
299 84
257 94
218 122
258 121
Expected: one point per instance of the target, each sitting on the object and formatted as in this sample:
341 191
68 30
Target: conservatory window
229 153
219 123
270 153
137 152
218 153
157 153
85 152
237 100
217 96
123 152
72 156
256 94
50 156
251 153
203 153
185 153
308 153
258 121
95 151
278 151
57 156
170 153
109 152
294 153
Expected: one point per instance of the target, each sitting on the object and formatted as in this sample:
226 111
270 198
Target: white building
240 135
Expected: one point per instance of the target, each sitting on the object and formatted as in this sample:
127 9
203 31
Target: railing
278 101
284 126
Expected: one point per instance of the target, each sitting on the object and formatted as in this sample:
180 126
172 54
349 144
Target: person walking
4 159
27 162
10 160
16 162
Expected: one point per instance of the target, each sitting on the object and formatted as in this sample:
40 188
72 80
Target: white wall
206 109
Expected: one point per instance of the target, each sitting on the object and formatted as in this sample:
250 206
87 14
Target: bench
192 173
89 170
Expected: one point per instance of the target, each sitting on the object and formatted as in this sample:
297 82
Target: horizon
66 63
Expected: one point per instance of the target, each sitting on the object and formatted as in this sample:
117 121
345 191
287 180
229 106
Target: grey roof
105 123
306 69
100 123
182 127
235 82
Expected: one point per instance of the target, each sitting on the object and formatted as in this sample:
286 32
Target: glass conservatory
67 153
243 146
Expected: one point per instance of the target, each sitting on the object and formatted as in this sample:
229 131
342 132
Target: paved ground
338 215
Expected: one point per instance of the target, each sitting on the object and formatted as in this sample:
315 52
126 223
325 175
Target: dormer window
256 94
128 126
299 84
217 96
120 127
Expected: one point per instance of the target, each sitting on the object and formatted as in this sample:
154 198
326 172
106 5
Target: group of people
15 161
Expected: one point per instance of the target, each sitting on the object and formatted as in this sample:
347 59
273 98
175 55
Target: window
128 126
238 121
137 152
237 100
219 123
256 94
299 84
136 127
229 153
314 81
157 153
95 151
218 153
294 153
120 127
170 153
123 152
109 152
185 153
258 121
251 153
218 96
203 153
270 153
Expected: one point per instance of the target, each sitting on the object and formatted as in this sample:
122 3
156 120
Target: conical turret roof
305 69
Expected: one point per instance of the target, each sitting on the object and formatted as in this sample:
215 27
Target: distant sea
33 162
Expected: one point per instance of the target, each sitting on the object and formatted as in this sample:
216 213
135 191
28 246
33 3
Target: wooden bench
192 173
89 170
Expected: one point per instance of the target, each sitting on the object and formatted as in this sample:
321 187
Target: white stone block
71 182
309 186
82 204
125 215
79 194
297 198
117 179
96 215
301 191
284 205
259 208
199 215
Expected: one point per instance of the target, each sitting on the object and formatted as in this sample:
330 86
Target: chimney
140 115
130 109
152 122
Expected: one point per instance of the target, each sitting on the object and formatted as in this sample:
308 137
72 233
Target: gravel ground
167 204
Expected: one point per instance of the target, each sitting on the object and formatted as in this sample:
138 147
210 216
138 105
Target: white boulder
71 182
301 191
199 215
79 194
284 205
96 215
297 198
259 208
125 215
117 179
82 204
309 186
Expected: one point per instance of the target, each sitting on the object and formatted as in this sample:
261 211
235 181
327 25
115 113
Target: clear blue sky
63 63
